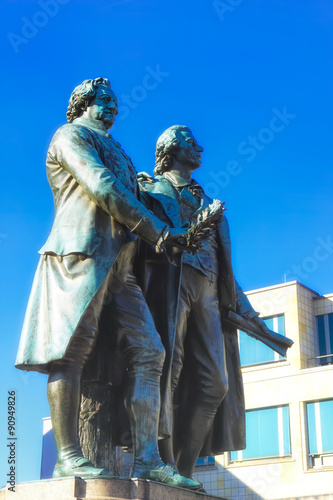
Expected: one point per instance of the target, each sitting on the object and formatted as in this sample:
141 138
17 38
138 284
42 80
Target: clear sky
253 79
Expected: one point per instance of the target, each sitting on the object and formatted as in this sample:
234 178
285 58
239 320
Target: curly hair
82 96
167 147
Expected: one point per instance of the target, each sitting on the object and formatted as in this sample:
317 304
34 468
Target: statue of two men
168 324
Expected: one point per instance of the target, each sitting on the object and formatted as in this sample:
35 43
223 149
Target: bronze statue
90 250
200 297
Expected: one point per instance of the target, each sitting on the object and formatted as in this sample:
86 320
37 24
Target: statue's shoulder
156 186
147 182
71 133
69 129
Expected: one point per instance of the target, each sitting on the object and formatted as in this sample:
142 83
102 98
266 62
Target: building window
205 461
325 338
254 352
320 436
267 434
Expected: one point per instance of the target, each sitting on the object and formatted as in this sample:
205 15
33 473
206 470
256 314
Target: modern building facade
289 405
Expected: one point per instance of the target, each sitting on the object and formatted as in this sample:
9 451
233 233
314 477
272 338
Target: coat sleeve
241 303
227 292
244 307
74 149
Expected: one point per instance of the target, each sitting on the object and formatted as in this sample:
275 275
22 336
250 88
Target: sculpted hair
167 147
82 96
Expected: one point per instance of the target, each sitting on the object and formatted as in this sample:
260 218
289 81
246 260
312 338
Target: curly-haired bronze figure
90 251
197 312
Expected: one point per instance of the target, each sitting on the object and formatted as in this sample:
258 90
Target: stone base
99 489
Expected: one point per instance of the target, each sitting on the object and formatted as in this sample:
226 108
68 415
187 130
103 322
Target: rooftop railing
326 359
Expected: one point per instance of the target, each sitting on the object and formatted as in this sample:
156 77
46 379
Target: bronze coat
96 207
161 288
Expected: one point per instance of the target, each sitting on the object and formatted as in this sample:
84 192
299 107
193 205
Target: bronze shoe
166 474
79 467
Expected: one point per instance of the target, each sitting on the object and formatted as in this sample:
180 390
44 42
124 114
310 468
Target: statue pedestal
102 489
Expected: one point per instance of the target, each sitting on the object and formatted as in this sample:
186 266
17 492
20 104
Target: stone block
99 489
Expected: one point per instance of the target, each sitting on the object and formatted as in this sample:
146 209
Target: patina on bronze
202 307
89 251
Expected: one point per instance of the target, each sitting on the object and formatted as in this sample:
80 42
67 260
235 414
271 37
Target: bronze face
189 150
104 106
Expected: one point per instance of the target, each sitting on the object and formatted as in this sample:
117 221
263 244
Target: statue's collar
96 125
176 180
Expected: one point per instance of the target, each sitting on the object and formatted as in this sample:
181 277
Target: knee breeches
199 329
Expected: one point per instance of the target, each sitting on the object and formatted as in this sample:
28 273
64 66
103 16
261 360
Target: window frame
327 358
313 464
268 458
206 465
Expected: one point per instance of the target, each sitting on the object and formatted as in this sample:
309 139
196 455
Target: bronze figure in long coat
88 255
96 208
191 304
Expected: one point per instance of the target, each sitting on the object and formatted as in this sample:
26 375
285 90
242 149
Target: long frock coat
161 287
95 195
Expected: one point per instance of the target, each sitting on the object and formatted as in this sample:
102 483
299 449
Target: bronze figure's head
177 143
95 100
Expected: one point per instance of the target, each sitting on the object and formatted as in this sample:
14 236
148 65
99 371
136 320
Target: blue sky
253 79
